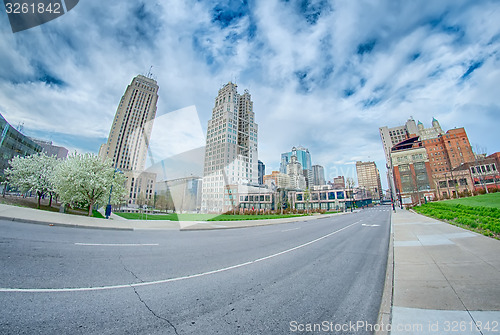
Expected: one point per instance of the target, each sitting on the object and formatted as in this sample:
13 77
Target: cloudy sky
322 74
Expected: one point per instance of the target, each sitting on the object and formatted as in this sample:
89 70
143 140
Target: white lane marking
290 229
370 225
100 288
118 244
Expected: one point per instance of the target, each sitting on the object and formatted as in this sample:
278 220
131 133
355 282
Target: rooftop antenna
150 74
20 127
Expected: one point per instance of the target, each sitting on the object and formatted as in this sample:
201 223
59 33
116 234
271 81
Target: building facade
318 175
13 143
369 178
295 172
392 136
262 172
412 172
328 198
444 151
231 155
52 150
338 182
128 139
277 180
303 157
448 150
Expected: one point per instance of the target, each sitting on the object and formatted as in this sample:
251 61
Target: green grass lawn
202 217
97 214
485 200
480 213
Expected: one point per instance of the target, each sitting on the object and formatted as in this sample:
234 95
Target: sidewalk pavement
446 279
23 214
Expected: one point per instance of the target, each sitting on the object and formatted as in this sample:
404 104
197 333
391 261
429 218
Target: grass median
480 213
203 217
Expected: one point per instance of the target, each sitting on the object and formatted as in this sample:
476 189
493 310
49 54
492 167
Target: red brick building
448 151
434 164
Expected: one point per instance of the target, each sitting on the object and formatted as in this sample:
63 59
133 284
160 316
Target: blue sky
322 74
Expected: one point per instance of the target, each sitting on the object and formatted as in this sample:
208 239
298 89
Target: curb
55 224
384 314
246 223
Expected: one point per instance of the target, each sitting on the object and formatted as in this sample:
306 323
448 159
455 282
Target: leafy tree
161 202
350 194
87 179
33 174
307 197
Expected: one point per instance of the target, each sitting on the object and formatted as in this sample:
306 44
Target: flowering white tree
33 174
85 178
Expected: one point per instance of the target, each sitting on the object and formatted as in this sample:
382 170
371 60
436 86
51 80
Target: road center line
290 229
118 244
101 288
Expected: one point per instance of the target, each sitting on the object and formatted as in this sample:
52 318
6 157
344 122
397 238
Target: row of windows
483 168
453 183
314 196
247 198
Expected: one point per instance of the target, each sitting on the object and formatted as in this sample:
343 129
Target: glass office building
13 143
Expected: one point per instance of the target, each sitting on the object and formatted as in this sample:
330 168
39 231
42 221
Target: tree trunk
39 198
50 201
90 208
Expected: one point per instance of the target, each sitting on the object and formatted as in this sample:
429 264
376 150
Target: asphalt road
278 279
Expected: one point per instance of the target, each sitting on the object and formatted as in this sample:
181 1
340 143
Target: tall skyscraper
369 178
128 139
262 172
303 157
295 171
231 149
318 175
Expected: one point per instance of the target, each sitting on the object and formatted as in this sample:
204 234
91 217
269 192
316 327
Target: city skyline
322 75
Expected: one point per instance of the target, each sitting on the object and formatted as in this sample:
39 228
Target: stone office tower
231 149
369 178
128 139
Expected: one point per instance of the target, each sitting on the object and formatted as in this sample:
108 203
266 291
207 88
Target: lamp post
108 207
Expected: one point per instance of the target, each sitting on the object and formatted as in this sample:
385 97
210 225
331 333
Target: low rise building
52 150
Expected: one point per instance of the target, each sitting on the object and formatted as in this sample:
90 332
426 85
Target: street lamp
108 207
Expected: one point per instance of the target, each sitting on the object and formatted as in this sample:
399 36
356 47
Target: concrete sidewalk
22 214
446 279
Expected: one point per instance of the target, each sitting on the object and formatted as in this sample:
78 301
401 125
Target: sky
322 74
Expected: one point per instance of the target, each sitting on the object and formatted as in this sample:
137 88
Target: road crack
143 302
130 271
153 312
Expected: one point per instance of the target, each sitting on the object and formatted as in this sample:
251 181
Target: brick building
448 151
